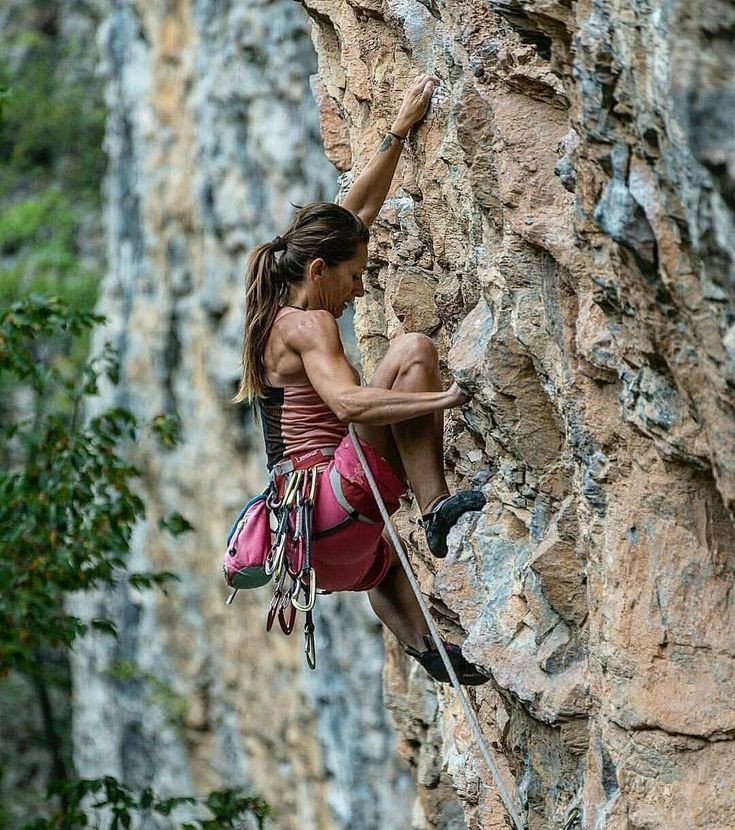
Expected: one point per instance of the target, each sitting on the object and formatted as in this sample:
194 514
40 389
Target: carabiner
292 488
310 645
287 624
281 582
309 589
573 819
312 485
275 557
299 524
273 609
295 558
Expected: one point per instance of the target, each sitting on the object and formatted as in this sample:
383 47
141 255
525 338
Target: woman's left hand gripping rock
415 102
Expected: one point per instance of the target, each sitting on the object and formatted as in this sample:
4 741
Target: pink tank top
296 420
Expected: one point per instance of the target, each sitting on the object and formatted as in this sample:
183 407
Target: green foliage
27 754
54 119
67 508
4 95
27 219
226 806
167 429
67 497
38 247
175 524
52 162
67 512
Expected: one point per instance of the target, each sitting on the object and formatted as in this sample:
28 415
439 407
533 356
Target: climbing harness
469 714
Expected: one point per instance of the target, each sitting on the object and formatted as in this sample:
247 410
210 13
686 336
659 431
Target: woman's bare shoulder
312 329
293 334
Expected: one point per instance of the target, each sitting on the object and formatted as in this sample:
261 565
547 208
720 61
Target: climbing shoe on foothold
467 673
442 516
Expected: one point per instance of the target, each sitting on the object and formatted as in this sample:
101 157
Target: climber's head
322 253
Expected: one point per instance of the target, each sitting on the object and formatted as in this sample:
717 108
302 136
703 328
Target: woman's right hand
415 103
457 396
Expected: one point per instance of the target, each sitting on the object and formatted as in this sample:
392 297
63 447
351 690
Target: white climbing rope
469 714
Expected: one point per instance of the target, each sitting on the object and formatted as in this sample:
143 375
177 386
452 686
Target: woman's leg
395 604
413 448
415 451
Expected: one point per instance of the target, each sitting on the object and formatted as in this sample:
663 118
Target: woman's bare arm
368 192
316 339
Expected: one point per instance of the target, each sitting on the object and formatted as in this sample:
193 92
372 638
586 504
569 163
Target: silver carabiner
292 488
309 593
275 557
311 486
573 819
310 648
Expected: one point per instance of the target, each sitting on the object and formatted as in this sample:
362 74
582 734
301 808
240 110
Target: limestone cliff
562 226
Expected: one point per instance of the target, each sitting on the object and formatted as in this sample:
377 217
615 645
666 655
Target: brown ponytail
322 230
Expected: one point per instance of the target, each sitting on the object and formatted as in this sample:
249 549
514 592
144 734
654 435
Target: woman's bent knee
414 348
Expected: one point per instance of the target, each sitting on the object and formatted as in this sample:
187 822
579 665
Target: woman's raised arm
368 192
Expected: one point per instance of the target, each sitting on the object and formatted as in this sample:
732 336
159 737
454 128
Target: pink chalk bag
271 539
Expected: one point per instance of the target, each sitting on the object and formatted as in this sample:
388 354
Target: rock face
212 132
562 226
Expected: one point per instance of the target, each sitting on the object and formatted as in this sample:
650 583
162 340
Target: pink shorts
356 556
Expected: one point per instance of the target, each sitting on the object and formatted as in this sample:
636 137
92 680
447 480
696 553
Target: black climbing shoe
467 673
438 521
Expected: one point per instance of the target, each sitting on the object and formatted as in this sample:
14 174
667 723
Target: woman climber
295 370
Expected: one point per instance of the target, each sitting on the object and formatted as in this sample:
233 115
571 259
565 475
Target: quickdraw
289 559
282 508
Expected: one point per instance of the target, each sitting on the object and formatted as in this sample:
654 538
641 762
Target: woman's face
337 285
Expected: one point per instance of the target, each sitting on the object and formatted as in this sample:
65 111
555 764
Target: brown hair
322 230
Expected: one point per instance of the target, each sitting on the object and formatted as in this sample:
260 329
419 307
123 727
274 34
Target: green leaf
166 806
167 429
175 524
146 798
150 580
106 626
